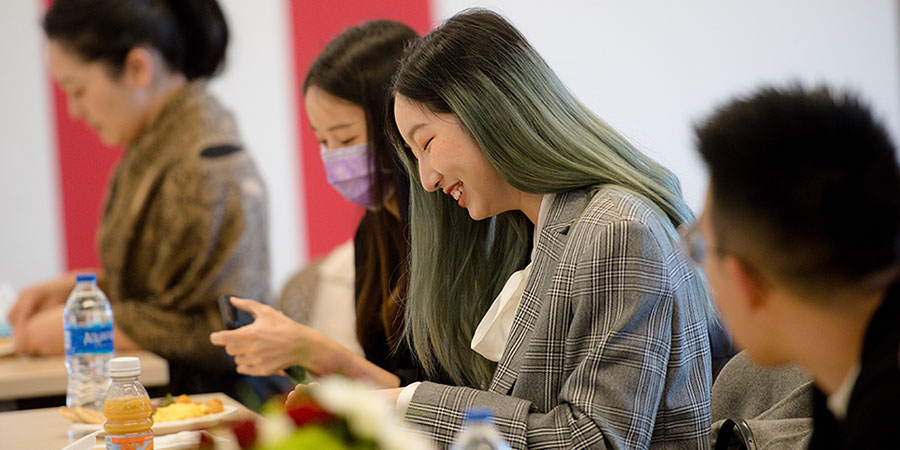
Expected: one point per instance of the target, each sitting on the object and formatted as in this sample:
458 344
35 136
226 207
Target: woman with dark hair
184 219
546 242
346 93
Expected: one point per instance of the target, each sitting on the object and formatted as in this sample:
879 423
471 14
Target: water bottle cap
125 366
479 414
85 277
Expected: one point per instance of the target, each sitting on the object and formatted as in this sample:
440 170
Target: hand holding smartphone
236 318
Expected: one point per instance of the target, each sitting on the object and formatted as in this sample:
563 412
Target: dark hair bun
191 35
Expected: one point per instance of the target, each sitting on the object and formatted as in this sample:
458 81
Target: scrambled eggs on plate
184 408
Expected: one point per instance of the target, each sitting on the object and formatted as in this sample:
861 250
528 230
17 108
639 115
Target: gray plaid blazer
607 349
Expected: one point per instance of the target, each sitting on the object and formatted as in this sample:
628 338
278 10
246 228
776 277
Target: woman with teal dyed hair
545 269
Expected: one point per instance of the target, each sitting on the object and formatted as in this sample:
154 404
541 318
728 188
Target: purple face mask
349 170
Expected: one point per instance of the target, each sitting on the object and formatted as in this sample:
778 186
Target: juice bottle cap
125 366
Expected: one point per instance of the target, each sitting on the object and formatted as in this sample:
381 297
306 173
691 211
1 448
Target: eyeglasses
692 242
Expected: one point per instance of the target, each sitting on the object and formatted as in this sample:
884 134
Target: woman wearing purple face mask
345 95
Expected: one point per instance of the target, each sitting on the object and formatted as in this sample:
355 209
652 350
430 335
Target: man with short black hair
800 240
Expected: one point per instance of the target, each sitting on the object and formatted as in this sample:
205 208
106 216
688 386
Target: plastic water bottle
478 432
88 325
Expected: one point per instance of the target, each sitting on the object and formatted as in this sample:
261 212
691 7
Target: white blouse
493 331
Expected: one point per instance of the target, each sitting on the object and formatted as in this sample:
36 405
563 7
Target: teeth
457 193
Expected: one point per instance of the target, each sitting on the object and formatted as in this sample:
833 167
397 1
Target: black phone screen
231 316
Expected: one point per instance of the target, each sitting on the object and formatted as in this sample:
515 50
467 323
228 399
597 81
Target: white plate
174 426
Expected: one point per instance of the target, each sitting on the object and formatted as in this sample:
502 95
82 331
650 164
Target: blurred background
652 68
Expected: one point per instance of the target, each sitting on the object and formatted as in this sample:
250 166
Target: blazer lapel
550 245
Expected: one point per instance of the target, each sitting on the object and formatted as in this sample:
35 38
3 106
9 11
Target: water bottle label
143 441
96 339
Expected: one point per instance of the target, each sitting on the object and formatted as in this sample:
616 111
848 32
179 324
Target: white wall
30 228
651 68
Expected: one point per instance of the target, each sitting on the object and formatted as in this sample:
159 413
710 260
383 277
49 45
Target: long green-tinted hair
540 139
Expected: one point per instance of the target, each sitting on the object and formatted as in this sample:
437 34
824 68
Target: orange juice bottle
127 408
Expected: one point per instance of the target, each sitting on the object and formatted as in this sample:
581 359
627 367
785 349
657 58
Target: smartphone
236 318
233 317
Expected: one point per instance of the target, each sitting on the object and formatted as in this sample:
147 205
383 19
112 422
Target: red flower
306 411
245 432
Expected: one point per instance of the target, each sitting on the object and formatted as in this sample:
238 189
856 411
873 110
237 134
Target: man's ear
137 70
749 285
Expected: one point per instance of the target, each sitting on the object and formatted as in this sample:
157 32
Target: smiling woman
449 160
589 326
